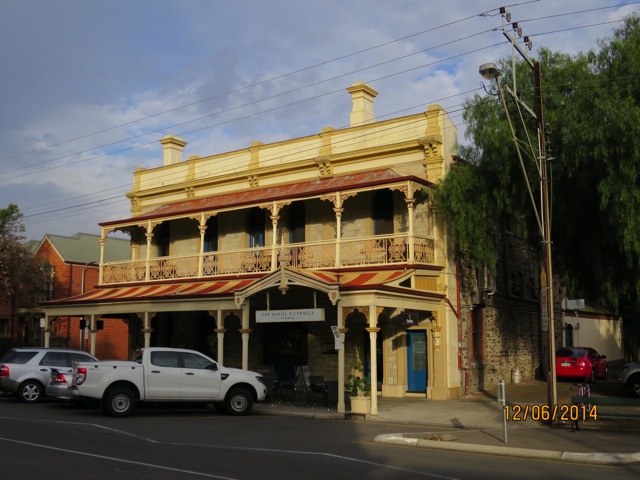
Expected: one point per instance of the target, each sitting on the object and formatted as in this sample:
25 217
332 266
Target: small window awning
361 279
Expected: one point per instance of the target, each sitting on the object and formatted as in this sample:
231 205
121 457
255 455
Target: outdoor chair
317 385
285 381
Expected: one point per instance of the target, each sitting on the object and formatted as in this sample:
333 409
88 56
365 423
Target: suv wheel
30 391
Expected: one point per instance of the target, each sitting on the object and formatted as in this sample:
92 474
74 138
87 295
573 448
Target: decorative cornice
325 166
254 181
432 145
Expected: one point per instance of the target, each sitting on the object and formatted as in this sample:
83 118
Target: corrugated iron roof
85 247
279 192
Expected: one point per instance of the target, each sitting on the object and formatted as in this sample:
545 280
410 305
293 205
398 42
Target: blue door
417 361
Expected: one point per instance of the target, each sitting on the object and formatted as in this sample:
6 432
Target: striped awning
370 279
221 288
164 291
361 279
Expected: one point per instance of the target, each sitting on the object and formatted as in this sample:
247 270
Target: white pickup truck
166 375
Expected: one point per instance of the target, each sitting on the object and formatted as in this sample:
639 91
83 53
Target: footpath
476 424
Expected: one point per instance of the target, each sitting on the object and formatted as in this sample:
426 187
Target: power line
280 94
243 106
246 87
259 113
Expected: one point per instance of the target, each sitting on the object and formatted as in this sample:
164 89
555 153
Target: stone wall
500 321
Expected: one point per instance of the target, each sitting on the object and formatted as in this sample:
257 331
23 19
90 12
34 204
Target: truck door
164 375
200 377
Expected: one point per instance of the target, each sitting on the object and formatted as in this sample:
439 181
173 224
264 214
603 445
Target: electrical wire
88 204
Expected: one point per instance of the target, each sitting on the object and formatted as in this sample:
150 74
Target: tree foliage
21 275
592 116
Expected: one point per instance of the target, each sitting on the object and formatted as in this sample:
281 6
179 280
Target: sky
89 87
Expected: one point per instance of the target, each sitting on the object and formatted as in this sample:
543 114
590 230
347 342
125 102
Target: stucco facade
338 226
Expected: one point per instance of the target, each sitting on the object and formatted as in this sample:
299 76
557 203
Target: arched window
382 212
296 223
256 227
211 235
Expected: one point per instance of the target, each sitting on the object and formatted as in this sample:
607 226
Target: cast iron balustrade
380 250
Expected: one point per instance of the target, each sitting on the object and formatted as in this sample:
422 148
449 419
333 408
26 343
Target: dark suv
25 372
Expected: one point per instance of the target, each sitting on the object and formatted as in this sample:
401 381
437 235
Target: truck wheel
30 391
634 383
119 402
239 402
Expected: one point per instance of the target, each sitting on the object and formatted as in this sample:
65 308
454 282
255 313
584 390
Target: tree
22 277
592 113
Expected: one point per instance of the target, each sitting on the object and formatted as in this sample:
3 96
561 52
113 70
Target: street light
490 71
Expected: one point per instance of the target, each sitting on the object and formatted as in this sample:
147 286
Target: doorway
568 335
417 361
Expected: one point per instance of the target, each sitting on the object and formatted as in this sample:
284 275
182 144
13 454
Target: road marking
218 447
121 432
120 460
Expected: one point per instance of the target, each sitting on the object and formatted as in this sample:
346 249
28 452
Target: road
54 440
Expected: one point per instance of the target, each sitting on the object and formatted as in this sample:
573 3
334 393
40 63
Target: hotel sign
293 315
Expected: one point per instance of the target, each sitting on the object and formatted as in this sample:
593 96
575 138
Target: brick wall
73 279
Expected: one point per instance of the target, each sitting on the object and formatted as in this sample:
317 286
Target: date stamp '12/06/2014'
545 413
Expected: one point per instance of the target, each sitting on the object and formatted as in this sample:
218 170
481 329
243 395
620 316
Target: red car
580 362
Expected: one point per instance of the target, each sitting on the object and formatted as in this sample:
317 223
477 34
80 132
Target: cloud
224 74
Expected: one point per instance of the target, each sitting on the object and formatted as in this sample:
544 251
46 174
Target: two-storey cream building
296 253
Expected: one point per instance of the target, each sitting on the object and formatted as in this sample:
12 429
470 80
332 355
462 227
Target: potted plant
358 386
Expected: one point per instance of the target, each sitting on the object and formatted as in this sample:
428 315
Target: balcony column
149 235
146 327
341 375
245 331
410 234
337 199
338 233
93 332
274 236
46 329
103 243
373 330
203 229
220 331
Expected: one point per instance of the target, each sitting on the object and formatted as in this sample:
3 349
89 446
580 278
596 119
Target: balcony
380 250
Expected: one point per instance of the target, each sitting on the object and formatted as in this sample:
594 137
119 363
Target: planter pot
360 405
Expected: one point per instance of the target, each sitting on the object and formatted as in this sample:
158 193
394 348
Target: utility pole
547 270
490 71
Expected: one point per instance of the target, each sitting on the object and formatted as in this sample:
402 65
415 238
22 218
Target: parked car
630 376
59 384
25 372
165 375
580 362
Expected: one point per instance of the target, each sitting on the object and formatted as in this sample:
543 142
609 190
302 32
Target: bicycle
584 390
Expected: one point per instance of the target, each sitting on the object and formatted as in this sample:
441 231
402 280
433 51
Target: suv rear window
18 357
56 359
